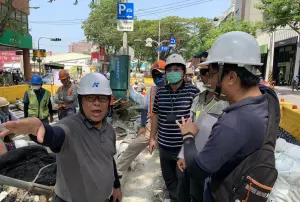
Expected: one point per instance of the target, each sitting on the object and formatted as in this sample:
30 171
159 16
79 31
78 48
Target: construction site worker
5 115
142 140
189 76
171 102
84 143
205 111
66 96
241 130
37 101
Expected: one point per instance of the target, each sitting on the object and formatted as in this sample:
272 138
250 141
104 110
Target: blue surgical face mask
159 81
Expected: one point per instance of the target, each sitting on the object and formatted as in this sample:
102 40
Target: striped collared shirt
178 103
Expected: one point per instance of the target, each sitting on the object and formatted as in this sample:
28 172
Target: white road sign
125 25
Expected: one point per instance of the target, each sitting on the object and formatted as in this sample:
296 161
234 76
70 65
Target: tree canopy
280 13
194 34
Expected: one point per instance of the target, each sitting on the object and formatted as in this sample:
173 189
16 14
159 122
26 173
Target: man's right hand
181 164
24 126
152 145
141 131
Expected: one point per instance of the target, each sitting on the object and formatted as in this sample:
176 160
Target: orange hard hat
159 66
63 74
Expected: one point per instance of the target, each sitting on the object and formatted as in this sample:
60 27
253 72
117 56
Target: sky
62 19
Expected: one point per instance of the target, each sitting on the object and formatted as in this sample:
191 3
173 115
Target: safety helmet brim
239 63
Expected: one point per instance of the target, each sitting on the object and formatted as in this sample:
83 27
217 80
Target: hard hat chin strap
219 85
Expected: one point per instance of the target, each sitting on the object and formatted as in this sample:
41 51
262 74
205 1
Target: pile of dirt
24 164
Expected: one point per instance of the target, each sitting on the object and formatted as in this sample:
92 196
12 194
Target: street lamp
51 39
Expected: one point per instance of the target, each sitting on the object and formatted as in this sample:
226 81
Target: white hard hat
3 102
175 59
235 47
94 84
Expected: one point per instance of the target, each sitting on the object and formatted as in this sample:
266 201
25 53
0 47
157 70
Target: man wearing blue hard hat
37 101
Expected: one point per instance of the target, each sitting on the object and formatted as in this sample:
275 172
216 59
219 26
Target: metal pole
32 187
125 38
39 56
158 53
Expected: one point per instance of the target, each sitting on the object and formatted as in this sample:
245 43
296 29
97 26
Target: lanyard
171 99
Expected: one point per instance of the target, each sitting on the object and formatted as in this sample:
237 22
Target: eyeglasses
93 98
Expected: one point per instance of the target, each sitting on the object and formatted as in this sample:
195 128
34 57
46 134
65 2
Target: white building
71 60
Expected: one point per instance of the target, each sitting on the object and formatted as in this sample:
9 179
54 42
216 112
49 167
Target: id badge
171 118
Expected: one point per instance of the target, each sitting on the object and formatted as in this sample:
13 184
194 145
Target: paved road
288 95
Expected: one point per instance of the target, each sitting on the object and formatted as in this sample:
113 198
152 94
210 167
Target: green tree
101 25
227 26
8 23
280 13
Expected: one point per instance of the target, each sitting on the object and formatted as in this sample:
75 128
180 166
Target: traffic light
55 39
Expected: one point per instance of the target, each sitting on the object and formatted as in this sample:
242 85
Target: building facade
15 36
80 47
280 50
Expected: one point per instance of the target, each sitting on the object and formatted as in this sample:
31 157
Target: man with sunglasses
66 96
204 112
172 102
141 141
234 62
84 143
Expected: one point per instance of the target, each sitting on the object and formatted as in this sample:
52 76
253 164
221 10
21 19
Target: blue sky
63 20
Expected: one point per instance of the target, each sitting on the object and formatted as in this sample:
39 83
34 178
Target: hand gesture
24 126
188 126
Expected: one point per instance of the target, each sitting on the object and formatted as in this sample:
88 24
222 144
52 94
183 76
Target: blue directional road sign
125 11
163 49
172 42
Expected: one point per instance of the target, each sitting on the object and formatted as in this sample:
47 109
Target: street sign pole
125 19
159 43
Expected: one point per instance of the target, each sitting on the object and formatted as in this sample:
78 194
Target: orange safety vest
64 106
111 100
151 103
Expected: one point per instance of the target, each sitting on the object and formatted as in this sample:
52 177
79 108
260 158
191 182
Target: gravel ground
288 137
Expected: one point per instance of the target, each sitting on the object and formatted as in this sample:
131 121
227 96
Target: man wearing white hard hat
171 102
84 143
239 153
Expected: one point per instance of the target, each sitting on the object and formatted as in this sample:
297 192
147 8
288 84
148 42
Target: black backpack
253 179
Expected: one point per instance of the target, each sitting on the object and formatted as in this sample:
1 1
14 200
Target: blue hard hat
36 80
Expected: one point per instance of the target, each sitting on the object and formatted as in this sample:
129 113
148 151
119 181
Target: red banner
95 55
9 57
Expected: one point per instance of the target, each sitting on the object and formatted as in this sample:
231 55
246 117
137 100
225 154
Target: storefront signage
289 41
9 57
15 39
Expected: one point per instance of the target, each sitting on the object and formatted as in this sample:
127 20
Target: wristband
188 133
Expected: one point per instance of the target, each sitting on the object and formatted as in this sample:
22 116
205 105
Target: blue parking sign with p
125 11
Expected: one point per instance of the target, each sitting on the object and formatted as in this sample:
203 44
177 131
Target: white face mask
36 87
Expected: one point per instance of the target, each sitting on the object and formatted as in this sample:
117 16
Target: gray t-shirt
85 171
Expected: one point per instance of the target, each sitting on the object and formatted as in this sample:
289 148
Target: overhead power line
164 8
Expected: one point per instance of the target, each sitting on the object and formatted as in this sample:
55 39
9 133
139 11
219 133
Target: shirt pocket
107 144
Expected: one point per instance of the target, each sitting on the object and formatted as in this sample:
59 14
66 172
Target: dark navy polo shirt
238 133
